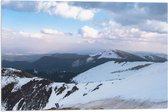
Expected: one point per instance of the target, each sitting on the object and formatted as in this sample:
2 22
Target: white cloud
18 41
29 35
113 30
65 10
134 39
44 34
51 32
7 33
5 2
88 32
154 26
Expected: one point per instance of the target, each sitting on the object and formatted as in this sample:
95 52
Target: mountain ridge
57 66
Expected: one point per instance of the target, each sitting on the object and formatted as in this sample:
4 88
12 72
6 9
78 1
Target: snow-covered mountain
130 56
63 67
110 85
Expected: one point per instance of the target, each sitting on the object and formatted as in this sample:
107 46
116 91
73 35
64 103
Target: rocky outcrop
22 91
30 96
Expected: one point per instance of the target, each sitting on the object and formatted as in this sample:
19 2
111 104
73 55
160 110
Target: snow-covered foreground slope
148 83
112 71
115 85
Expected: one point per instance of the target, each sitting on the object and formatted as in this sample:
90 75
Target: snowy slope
131 81
108 54
9 77
110 71
148 85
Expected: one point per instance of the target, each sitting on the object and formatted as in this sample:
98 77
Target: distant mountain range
57 66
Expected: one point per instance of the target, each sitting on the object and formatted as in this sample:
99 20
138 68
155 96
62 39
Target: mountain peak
129 56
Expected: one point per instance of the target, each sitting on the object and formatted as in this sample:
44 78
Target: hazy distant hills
61 62
29 58
52 65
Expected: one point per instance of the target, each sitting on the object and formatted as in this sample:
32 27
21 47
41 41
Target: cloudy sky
83 27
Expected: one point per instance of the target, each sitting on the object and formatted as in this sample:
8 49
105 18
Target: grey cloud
111 6
130 13
28 6
123 12
155 8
